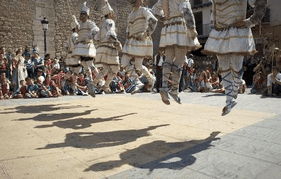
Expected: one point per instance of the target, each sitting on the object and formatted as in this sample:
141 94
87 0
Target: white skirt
85 50
107 55
232 40
139 48
177 34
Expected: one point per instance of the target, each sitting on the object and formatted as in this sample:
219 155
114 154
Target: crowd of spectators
27 75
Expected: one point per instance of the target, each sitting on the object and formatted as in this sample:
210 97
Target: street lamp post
45 23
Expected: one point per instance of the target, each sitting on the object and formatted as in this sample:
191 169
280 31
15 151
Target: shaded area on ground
55 117
30 109
159 148
82 123
89 140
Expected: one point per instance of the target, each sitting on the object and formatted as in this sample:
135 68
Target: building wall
16 22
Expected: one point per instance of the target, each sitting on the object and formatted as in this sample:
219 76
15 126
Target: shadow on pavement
39 108
159 148
89 140
82 123
212 95
55 117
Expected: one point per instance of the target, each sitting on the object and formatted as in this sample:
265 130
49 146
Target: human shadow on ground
55 117
82 123
90 140
212 95
30 109
142 156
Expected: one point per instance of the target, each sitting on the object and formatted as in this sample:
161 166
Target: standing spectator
159 59
183 80
19 70
29 65
38 61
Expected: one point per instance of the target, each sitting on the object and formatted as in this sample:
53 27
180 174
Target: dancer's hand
241 24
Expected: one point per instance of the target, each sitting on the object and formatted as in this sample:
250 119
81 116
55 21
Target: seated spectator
52 87
81 85
67 84
21 91
204 79
117 84
273 83
215 81
5 87
32 89
58 77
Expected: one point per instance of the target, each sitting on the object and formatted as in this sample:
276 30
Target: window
199 22
197 2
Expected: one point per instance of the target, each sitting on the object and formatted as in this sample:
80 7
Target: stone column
44 8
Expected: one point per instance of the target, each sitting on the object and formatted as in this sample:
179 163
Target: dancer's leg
75 70
87 65
236 65
112 72
138 65
176 70
166 72
227 81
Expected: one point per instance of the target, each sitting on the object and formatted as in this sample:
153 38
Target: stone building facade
20 22
16 22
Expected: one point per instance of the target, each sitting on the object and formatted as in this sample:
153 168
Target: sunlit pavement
125 136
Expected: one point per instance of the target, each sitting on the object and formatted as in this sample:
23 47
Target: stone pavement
124 136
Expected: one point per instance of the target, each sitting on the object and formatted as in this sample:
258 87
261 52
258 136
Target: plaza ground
125 136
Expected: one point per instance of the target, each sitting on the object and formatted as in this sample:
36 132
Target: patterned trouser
230 68
110 71
172 68
125 61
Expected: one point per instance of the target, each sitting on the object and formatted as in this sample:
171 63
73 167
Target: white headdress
107 9
85 9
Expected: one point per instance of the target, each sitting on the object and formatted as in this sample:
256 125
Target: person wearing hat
231 39
139 45
108 48
178 37
85 48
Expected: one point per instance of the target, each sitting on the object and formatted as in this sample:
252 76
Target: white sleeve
157 9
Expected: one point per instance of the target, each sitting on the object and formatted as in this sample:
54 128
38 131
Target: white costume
178 36
85 48
107 50
231 39
139 45
21 70
71 61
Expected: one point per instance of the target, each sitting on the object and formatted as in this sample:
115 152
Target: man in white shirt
274 83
